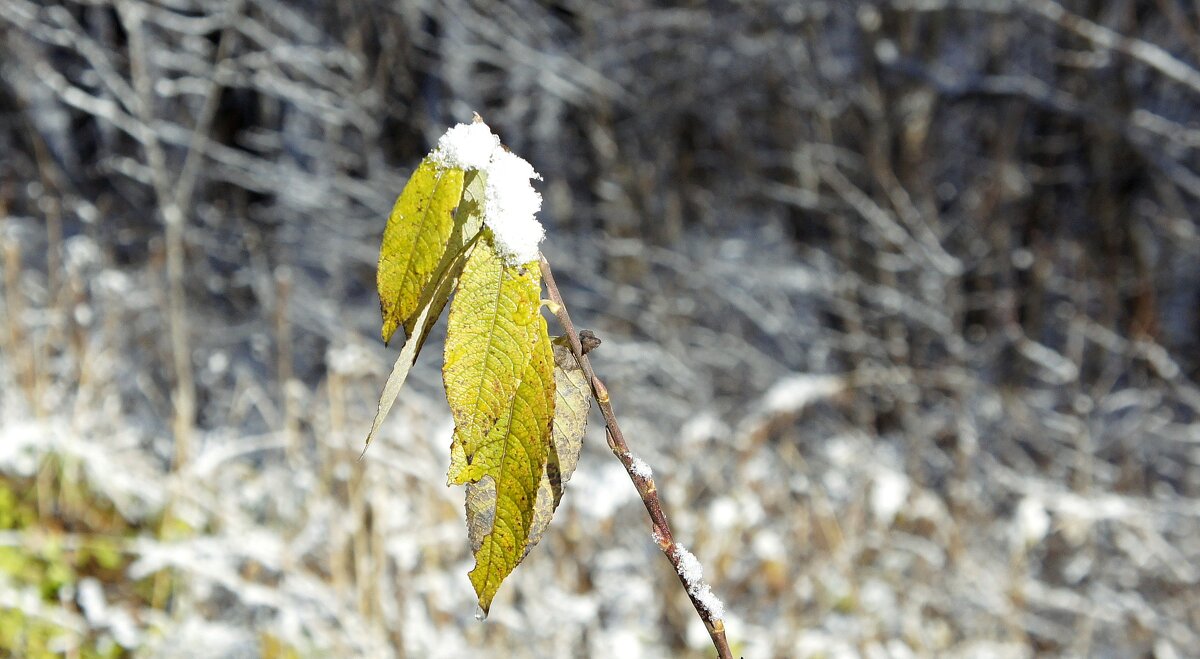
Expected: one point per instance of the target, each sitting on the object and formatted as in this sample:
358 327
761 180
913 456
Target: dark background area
901 300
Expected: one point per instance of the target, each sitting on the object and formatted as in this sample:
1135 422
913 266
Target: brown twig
644 484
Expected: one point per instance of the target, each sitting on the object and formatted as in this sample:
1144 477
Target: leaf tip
485 590
388 330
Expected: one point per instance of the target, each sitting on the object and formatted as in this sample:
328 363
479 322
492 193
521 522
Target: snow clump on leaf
509 206
466 146
510 202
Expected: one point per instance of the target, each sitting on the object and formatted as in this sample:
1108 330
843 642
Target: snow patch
600 491
693 575
710 602
510 202
509 206
466 146
796 392
689 566
1032 521
351 359
723 513
99 615
888 494
639 468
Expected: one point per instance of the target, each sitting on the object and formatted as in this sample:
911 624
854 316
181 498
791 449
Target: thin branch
642 480
132 17
1149 54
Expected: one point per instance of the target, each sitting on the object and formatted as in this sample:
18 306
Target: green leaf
499 381
415 242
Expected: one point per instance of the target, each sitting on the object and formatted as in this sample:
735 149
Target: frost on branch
693 575
510 202
639 467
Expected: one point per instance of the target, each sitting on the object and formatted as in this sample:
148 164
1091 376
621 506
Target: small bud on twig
588 341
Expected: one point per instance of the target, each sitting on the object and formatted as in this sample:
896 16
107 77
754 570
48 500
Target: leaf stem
645 485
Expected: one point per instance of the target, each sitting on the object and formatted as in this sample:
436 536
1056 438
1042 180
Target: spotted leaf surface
415 242
499 376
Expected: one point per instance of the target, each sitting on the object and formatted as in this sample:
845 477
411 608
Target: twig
641 480
174 218
1149 54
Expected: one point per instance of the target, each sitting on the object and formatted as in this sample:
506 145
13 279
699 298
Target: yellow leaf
499 381
421 324
493 324
415 242
468 220
513 456
572 400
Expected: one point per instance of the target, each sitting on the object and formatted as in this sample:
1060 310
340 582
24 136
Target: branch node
601 391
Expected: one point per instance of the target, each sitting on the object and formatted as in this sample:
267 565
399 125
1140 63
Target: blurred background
900 299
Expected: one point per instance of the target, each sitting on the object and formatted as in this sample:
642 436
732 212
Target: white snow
466 146
510 202
92 601
888 494
99 615
1032 521
794 393
689 566
351 359
600 490
709 601
509 206
768 545
724 513
693 575
639 468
